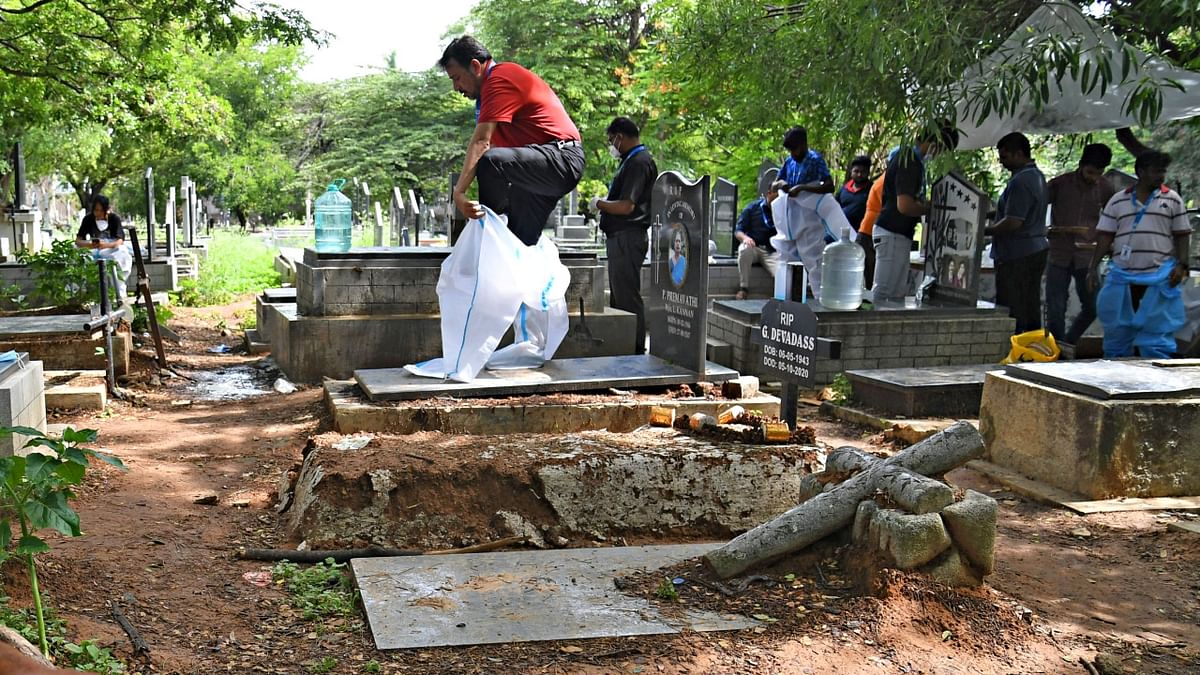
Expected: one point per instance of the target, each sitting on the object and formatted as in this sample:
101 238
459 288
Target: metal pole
110 378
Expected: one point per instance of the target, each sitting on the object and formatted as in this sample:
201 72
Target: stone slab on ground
70 389
908 430
16 327
1113 380
1182 526
931 391
1112 447
1048 494
488 598
599 372
353 413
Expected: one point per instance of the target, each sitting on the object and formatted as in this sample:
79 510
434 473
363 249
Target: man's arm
1104 242
1009 224
911 206
480 141
739 230
615 207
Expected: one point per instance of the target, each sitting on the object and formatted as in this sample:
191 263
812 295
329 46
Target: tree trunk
830 511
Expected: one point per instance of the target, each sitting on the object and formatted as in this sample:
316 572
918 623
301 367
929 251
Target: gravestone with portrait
954 242
724 214
676 298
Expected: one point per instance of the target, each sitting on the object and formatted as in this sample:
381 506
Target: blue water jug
333 218
842 266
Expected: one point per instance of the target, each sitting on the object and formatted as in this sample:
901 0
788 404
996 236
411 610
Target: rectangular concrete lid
1104 379
932 377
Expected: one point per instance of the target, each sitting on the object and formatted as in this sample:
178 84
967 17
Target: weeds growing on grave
64 275
34 494
85 655
319 591
141 318
236 264
666 591
841 390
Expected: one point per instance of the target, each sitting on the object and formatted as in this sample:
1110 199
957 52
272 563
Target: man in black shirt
625 218
903 207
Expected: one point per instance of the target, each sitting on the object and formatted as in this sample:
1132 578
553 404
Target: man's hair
1152 160
1015 141
624 126
863 161
101 200
462 50
795 137
1098 155
945 135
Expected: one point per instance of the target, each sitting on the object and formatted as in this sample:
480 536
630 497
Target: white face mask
612 150
102 224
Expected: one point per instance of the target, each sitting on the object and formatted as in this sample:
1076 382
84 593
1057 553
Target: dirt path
1131 588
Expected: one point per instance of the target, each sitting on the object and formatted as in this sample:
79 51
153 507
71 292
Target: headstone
150 217
573 202
170 217
396 214
184 192
378 224
954 242
308 206
193 214
768 172
1119 179
788 335
677 302
725 213
414 210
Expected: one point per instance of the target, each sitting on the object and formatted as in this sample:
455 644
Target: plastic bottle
333 220
842 266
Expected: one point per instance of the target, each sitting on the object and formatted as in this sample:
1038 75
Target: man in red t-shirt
525 151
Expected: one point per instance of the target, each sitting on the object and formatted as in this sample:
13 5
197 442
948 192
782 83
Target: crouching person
1146 230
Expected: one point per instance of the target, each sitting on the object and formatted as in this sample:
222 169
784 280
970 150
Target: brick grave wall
870 340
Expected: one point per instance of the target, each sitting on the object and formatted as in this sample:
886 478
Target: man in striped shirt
1146 230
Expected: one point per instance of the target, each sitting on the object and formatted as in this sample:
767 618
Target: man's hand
1093 280
594 205
748 242
1178 274
467 207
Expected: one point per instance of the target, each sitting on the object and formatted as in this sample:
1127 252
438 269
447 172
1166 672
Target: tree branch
27 9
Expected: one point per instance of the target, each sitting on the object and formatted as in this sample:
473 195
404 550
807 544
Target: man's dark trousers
1058 283
526 182
626 252
1019 288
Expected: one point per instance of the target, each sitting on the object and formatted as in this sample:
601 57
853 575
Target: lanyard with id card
1127 249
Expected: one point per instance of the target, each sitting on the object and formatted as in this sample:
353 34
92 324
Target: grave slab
489 598
1113 380
16 327
947 391
559 375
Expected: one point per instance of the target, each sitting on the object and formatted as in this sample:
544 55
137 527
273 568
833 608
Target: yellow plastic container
1035 345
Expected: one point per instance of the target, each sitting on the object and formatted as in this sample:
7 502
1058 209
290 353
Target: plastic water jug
333 219
842 266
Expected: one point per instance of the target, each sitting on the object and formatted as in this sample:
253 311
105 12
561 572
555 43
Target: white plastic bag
491 281
802 224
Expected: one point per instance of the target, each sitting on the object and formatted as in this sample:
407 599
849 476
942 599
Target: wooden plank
1049 494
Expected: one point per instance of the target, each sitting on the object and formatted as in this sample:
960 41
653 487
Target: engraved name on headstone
954 242
788 335
677 298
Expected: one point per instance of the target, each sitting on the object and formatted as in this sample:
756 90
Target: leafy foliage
319 591
86 655
236 263
65 275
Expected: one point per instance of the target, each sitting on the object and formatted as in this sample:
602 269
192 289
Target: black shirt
634 182
89 231
757 222
905 176
854 202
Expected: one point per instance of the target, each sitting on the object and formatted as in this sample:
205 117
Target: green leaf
70 472
5 432
112 460
53 511
39 467
5 534
31 545
76 455
81 436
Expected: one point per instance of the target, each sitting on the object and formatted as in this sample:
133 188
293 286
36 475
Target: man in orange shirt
874 206
525 151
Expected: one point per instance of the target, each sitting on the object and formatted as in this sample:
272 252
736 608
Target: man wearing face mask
525 150
625 218
102 232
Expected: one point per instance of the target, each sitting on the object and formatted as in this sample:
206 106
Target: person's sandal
741 294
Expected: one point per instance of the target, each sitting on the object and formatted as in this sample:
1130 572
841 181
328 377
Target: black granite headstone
150 224
788 335
677 297
954 242
724 213
767 173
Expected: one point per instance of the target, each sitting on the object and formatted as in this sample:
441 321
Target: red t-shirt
526 109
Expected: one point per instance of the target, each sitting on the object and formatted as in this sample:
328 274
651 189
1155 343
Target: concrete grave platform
309 348
431 490
354 413
905 336
22 401
933 391
76 351
76 389
557 375
1100 446
489 598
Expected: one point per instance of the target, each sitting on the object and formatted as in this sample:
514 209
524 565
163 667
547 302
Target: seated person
754 229
101 231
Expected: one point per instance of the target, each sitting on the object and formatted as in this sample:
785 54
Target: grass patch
319 591
86 655
841 390
236 264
